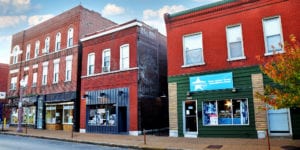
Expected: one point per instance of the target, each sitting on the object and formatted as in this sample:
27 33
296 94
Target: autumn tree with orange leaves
284 70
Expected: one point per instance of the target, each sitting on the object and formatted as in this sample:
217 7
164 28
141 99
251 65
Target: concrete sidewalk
162 142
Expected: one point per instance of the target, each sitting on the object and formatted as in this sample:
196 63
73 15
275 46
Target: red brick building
4 69
47 57
213 72
123 75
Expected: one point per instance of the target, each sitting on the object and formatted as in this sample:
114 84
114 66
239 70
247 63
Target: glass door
190 118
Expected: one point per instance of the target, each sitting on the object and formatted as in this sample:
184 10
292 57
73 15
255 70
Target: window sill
277 52
192 65
67 81
237 58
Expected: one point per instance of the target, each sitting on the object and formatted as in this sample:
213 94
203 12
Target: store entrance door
190 118
279 122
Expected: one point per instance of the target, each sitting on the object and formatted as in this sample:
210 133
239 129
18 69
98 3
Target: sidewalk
162 142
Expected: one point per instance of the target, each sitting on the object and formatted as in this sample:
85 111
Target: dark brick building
47 57
123 76
4 69
213 72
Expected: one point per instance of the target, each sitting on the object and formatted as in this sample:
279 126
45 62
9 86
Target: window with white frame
57 41
68 76
235 42
124 57
15 54
36 49
45 74
91 64
47 45
273 35
106 60
13 83
225 112
27 52
70 37
193 49
34 79
56 71
26 80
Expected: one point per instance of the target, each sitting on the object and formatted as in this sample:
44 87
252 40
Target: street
10 142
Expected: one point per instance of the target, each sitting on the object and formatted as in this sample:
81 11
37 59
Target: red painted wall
212 23
4 69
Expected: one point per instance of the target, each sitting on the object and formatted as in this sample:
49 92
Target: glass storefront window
102 115
68 114
14 116
226 112
29 115
50 114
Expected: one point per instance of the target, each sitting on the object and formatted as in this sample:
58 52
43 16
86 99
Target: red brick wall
4 69
212 23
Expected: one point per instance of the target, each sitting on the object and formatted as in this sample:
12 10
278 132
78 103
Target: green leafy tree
284 70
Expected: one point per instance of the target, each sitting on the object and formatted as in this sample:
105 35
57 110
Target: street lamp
20 111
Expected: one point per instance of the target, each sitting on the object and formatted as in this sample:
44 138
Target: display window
29 115
50 114
68 114
102 115
60 114
14 116
225 112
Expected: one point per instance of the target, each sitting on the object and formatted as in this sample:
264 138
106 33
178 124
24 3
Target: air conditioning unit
105 69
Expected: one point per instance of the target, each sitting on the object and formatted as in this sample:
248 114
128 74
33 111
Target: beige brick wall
173 119
260 114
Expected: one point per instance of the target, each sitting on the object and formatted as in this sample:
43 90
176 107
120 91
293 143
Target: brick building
123 76
4 69
47 58
213 72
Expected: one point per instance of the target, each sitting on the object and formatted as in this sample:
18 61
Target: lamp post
20 111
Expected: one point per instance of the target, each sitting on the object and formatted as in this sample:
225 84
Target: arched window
70 37
57 41
36 49
15 54
28 52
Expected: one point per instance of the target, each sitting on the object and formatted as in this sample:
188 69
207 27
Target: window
68 114
124 57
15 54
57 41
27 52
13 83
193 49
68 68
29 115
45 73
235 42
272 35
37 48
102 115
70 37
226 112
50 114
91 64
56 71
106 60
34 79
26 80
47 45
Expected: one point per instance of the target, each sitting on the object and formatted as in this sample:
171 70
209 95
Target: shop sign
211 82
2 95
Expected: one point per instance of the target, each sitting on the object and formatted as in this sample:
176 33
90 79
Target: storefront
107 111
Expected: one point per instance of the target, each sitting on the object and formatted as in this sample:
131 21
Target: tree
284 70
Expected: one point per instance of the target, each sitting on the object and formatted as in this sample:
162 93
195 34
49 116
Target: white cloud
8 21
5 49
34 20
112 10
155 18
13 7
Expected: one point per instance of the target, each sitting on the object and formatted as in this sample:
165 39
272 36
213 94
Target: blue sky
18 15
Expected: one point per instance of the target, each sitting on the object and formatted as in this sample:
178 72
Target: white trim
189 134
183 50
26 68
82 130
35 66
45 63
70 57
230 58
135 133
56 60
121 56
136 23
111 72
92 63
14 71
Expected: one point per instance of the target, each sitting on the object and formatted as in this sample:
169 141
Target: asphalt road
10 142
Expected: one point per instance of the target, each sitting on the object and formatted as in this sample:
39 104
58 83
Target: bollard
4 123
144 137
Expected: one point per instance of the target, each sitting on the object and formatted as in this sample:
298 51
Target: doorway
190 119
122 119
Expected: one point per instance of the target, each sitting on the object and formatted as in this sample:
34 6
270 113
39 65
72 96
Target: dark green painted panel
242 81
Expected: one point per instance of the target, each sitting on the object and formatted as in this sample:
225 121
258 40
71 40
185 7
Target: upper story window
34 79
193 49
57 41
124 57
16 51
28 52
235 42
26 80
13 83
47 45
36 49
70 37
68 74
55 71
106 60
45 73
91 64
272 35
